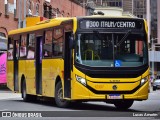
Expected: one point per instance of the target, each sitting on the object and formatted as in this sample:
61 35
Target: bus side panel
10 77
51 69
47 76
30 77
21 68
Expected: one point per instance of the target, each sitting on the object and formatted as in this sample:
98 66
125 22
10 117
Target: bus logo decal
114 87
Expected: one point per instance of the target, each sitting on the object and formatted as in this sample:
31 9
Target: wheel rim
60 95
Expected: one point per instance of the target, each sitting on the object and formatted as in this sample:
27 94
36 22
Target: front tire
59 96
124 104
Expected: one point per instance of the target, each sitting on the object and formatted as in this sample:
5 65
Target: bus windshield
111 49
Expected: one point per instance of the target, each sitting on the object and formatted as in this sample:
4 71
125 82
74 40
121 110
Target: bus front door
67 65
15 65
38 64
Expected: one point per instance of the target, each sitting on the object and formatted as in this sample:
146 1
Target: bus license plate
114 96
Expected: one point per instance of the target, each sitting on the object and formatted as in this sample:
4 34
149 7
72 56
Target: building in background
153 18
51 8
128 6
139 8
13 13
155 38
135 7
8 19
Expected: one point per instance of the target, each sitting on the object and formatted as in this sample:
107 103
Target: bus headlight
81 80
143 80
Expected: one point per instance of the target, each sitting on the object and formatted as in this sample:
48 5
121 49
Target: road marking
4 110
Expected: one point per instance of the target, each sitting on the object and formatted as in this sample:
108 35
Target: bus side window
57 47
10 49
47 47
58 42
31 47
23 46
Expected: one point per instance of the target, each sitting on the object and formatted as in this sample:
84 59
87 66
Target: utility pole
152 40
158 21
132 6
19 14
24 21
153 51
148 19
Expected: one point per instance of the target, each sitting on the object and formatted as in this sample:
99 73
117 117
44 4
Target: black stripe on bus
113 92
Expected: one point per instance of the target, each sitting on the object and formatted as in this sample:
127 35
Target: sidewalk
7 94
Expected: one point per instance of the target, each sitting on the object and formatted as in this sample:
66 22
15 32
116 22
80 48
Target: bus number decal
109 24
92 24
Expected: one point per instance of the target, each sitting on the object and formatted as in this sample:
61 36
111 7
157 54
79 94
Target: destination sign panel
111 23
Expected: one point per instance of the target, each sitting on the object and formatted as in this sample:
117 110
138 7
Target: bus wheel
124 104
59 96
25 96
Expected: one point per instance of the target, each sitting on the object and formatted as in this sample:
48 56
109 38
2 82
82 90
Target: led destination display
101 23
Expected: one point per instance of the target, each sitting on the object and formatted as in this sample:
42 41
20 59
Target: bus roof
57 21
40 25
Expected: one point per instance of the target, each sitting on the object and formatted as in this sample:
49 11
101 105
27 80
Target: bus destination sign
95 24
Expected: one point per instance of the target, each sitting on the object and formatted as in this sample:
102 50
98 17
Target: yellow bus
90 58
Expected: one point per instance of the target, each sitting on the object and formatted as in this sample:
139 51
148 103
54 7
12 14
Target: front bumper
81 92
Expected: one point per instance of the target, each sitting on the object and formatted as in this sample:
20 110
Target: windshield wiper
124 38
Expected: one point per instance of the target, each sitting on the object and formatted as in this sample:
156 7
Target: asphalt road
12 102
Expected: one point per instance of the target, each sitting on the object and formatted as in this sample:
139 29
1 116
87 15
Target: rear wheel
59 96
24 93
125 104
26 97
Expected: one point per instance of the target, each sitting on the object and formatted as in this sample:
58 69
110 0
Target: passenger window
58 42
31 47
23 46
48 44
